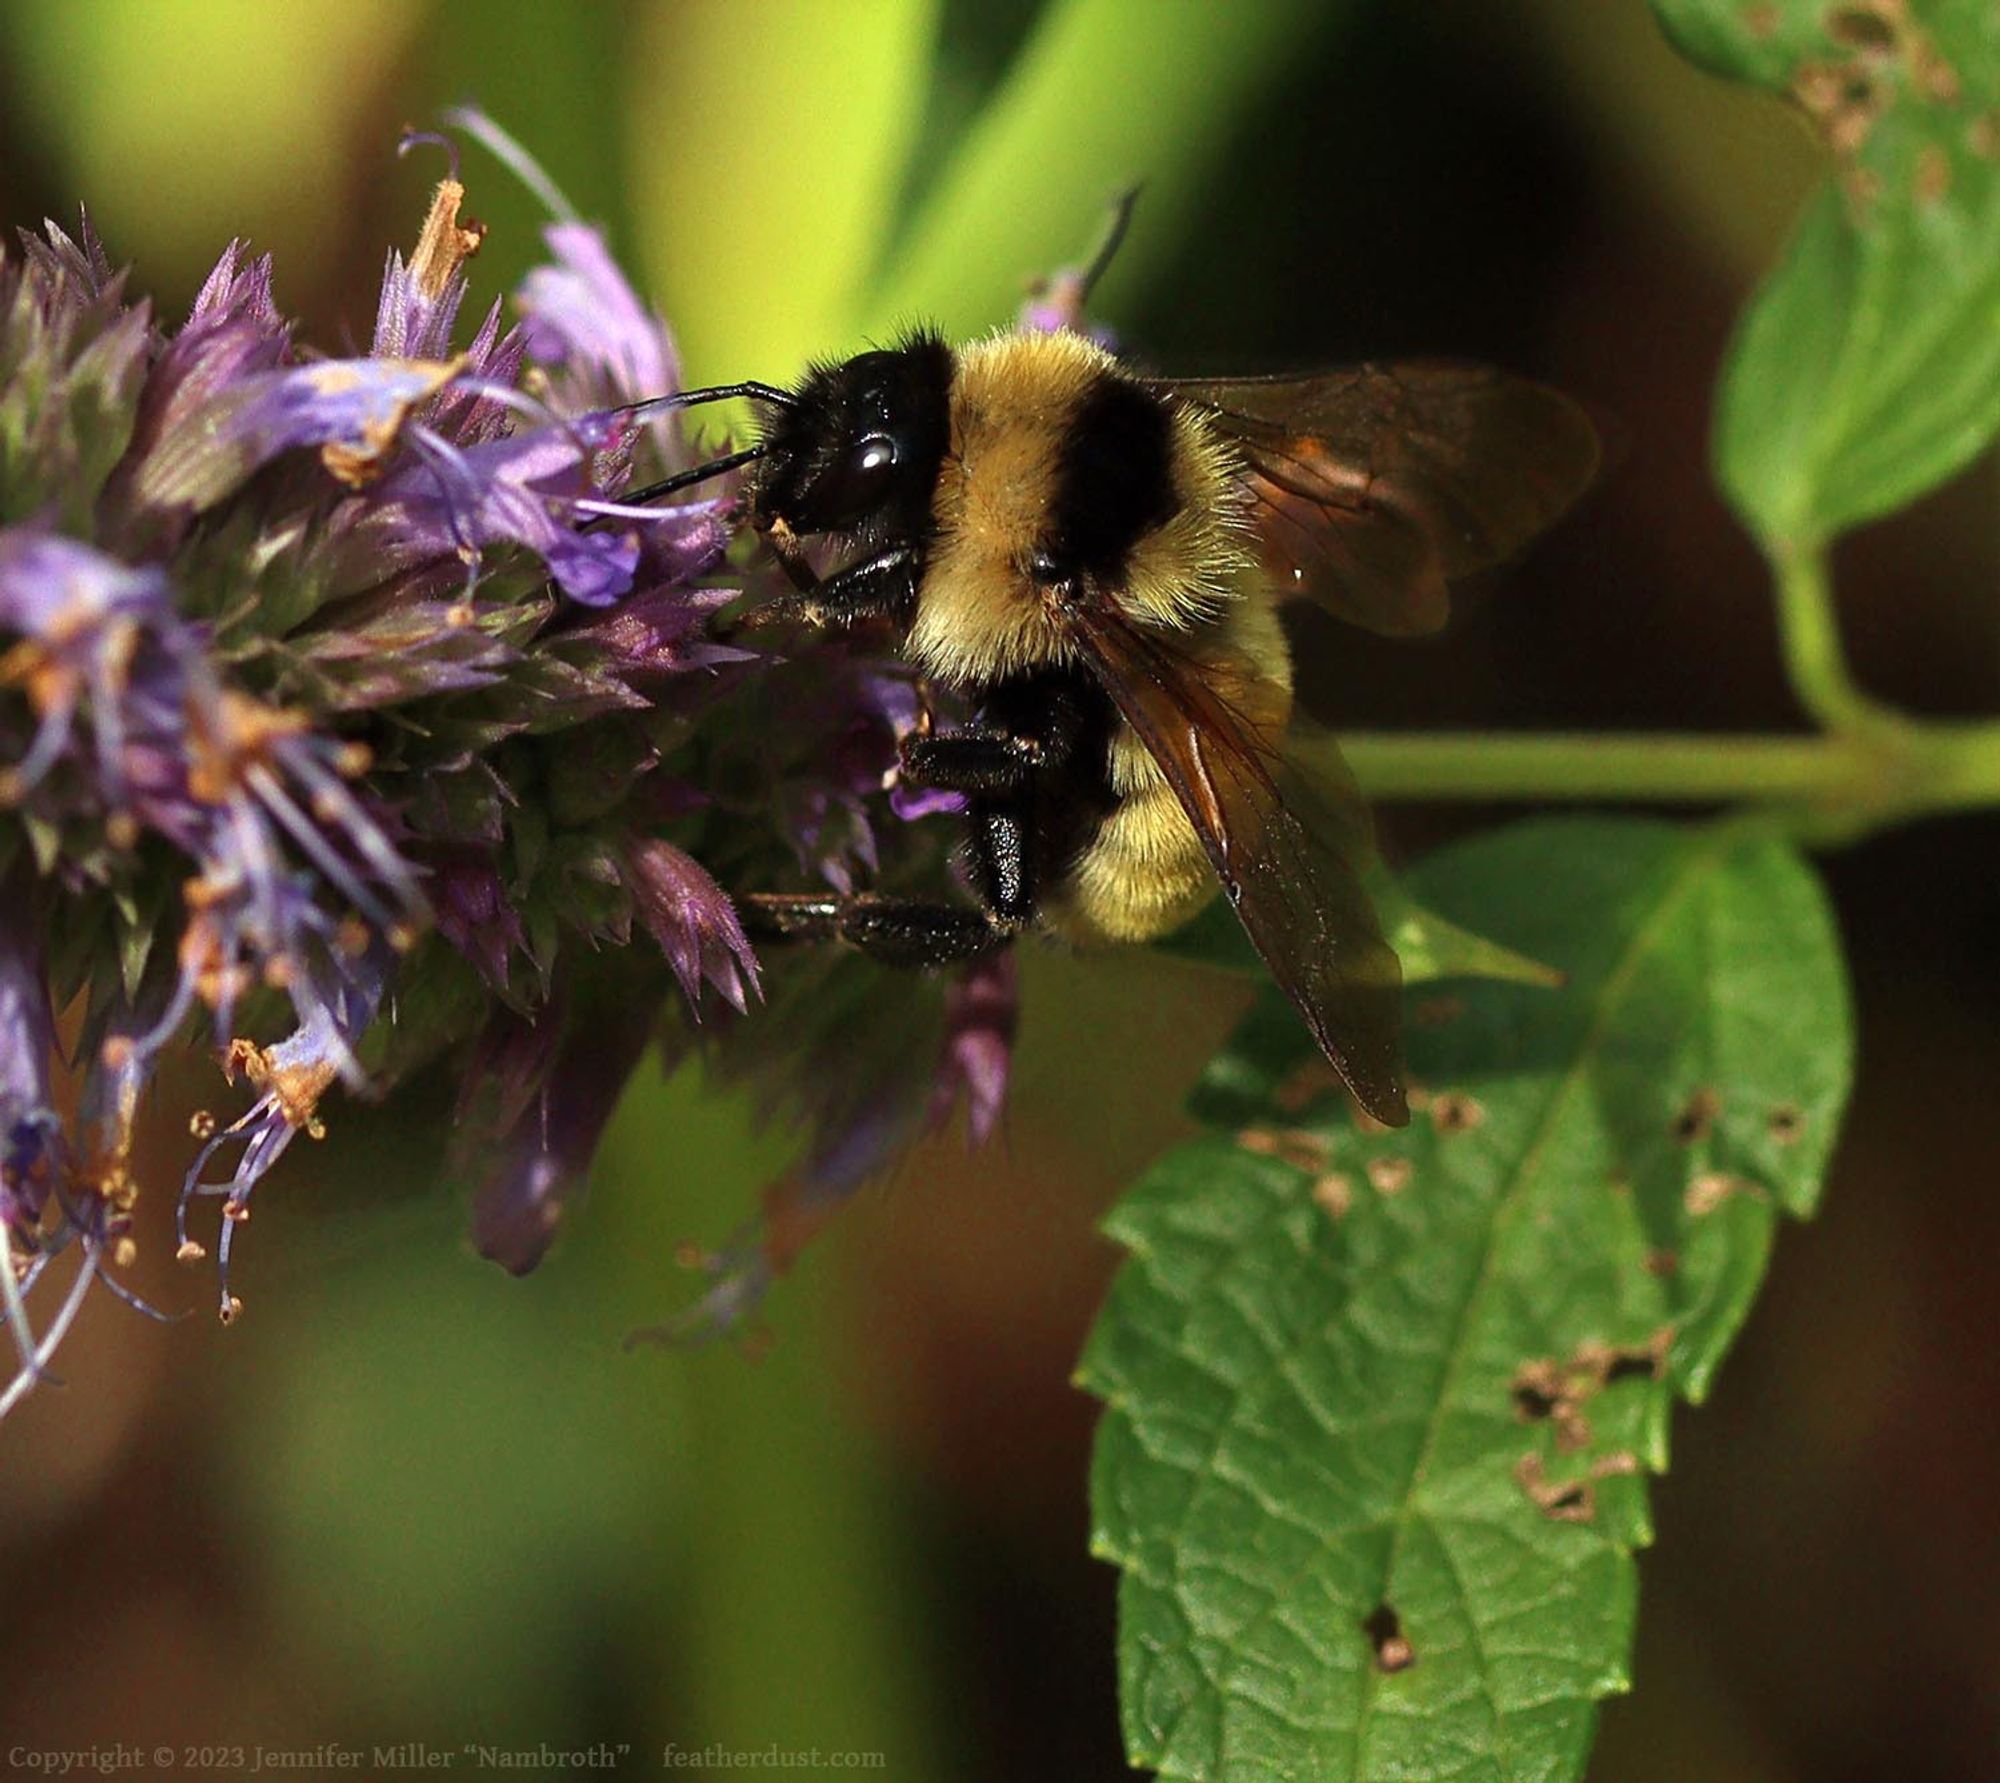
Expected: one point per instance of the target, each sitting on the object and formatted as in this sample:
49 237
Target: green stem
1869 766
1814 660
1892 770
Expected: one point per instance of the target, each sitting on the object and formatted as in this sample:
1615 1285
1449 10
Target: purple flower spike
692 919
352 717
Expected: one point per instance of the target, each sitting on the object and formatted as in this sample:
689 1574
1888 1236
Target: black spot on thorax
1114 479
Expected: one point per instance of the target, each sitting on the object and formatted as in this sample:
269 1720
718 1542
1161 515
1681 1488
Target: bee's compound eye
872 456
858 482
1045 572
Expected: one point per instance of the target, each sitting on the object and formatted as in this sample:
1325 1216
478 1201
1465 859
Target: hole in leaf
1563 1501
1843 99
1384 1629
1863 28
1557 1392
1696 1119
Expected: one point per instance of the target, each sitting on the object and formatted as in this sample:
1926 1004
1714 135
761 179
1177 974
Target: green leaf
1867 368
1100 96
1370 1388
1429 946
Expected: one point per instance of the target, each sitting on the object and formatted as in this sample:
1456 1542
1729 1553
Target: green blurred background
408 1498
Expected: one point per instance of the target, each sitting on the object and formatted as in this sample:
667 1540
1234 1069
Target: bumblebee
1095 559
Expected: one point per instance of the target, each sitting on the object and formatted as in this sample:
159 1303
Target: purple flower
290 1078
581 315
980 1013
81 617
536 488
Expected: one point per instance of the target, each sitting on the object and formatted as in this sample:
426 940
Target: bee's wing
1285 832
1372 487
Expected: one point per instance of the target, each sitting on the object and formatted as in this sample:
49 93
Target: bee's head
856 447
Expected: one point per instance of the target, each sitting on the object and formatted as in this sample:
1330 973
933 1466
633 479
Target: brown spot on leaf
1932 183
1662 1262
1390 1176
1570 1501
1710 1189
1982 135
1935 77
1762 19
1384 1629
1335 1193
1563 1501
1295 1146
1455 1112
1843 100
1696 1119
1787 1123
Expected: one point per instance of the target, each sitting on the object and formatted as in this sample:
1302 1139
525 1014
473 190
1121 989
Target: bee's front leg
881 586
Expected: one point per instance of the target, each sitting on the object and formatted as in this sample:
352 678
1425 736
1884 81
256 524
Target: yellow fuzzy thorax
980 614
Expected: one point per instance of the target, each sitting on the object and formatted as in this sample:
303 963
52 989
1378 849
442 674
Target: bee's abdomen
1143 871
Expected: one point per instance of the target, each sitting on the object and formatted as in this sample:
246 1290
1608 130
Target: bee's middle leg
909 932
901 932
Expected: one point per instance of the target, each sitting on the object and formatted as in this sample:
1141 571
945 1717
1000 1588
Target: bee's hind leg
901 932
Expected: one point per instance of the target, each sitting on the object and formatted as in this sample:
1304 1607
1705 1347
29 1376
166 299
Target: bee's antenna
699 474
1112 239
686 399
